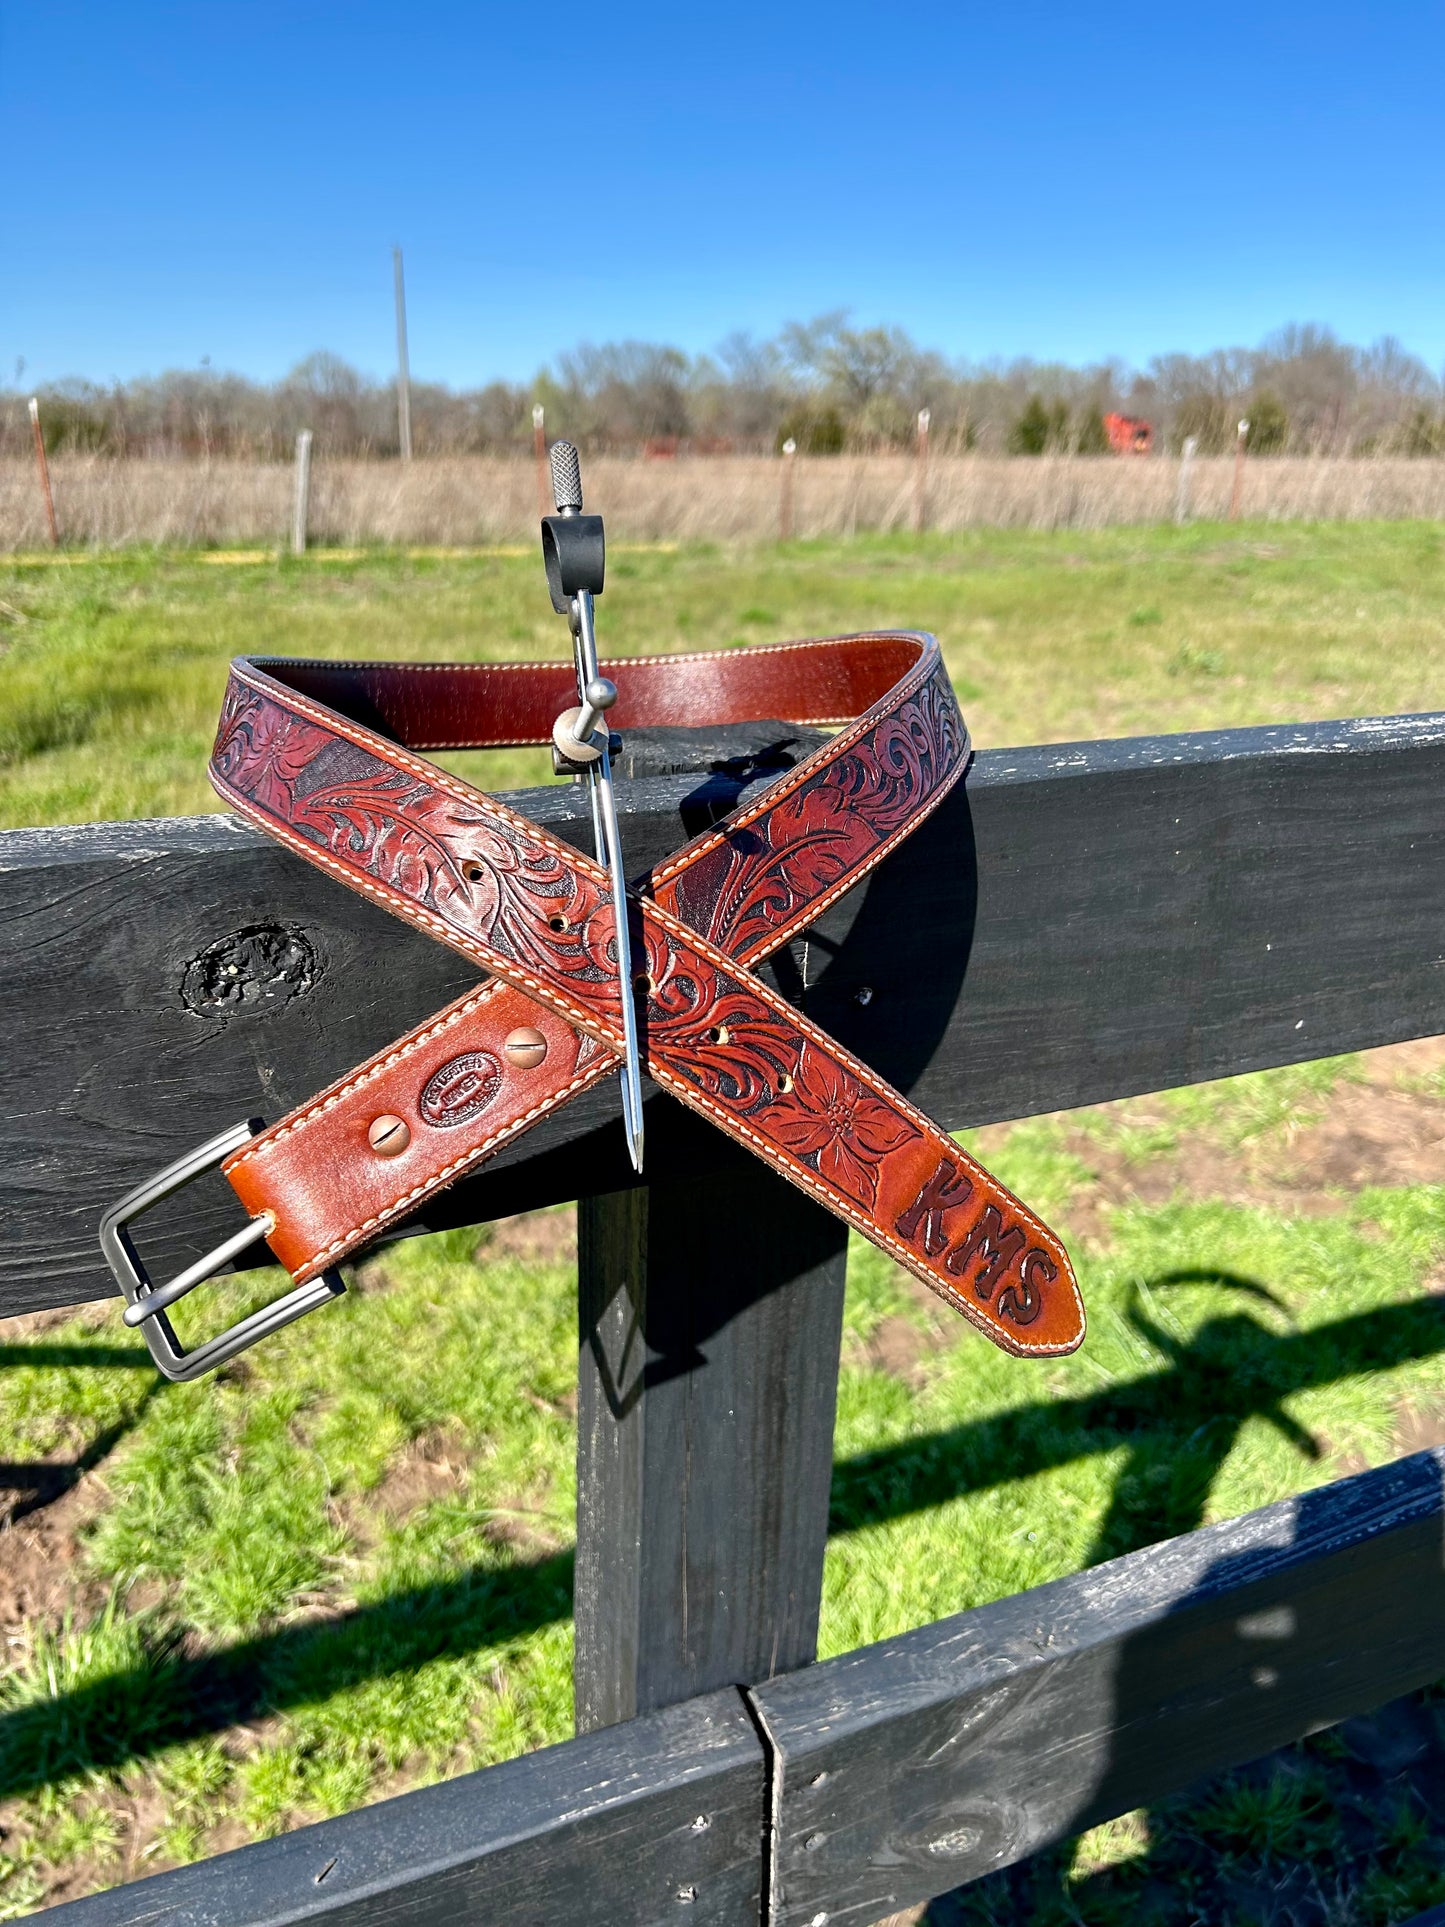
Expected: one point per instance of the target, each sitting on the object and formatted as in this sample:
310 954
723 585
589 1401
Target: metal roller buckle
147 1303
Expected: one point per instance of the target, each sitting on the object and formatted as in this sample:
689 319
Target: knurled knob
566 477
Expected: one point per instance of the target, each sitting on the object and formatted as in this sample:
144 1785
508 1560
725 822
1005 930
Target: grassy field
113 667
343 1566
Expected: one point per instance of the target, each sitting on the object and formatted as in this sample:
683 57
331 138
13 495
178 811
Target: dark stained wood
901 1770
711 1316
164 979
1085 921
906 1769
658 1821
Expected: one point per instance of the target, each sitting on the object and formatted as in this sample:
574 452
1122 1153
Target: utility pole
785 492
403 372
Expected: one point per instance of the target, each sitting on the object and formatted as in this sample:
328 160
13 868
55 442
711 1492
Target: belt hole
785 1084
643 984
473 872
557 923
718 1034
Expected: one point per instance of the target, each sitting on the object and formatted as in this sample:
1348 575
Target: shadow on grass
38 1483
1181 1423
131 1715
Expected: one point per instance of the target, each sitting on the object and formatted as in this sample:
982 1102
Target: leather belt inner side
322 757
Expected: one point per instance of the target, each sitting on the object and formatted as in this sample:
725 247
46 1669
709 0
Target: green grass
342 1566
113 666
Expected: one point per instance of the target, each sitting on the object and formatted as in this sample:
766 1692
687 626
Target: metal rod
604 821
198 1273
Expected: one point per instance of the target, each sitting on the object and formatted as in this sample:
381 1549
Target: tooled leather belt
324 757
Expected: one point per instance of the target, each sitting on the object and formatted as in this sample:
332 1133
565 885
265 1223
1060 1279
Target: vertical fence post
785 492
920 476
710 1322
44 468
539 453
403 364
1237 491
301 506
1181 492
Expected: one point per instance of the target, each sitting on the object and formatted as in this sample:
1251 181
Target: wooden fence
1083 923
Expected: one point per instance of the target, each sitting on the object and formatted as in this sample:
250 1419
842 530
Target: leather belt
323 757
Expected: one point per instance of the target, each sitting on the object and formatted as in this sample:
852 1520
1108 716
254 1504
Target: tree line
825 385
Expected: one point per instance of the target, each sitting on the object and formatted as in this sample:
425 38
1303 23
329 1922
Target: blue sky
227 180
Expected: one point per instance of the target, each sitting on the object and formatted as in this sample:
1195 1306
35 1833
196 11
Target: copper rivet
525 1048
388 1135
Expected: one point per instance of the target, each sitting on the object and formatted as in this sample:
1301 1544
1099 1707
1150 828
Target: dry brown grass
465 501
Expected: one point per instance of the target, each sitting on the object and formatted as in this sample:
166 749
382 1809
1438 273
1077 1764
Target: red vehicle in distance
1129 435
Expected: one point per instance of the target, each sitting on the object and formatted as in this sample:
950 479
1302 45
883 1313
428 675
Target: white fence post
302 504
44 469
403 363
1181 493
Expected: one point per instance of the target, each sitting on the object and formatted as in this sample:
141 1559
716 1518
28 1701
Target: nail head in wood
388 1135
525 1048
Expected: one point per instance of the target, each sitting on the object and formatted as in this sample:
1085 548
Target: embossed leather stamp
460 1090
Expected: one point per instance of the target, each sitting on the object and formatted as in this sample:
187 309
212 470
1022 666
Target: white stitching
473 1156
397 1054
810 766
731 967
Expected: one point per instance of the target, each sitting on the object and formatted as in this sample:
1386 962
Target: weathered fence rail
903 1769
1077 923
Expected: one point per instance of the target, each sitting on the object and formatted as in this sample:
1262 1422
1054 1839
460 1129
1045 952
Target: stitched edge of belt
322 757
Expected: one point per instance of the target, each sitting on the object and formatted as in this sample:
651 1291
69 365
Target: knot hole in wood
262 966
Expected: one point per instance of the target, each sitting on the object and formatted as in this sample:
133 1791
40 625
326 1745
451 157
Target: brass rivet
525 1048
388 1136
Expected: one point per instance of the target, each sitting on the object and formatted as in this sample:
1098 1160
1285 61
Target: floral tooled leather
471 871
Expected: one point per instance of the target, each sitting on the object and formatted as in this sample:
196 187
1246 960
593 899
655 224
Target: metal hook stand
574 553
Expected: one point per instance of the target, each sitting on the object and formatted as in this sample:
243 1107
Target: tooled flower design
261 751
829 1115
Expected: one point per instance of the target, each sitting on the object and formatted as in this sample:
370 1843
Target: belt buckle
147 1302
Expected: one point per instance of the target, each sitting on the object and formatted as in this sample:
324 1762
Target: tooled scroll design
710 1029
765 872
493 877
